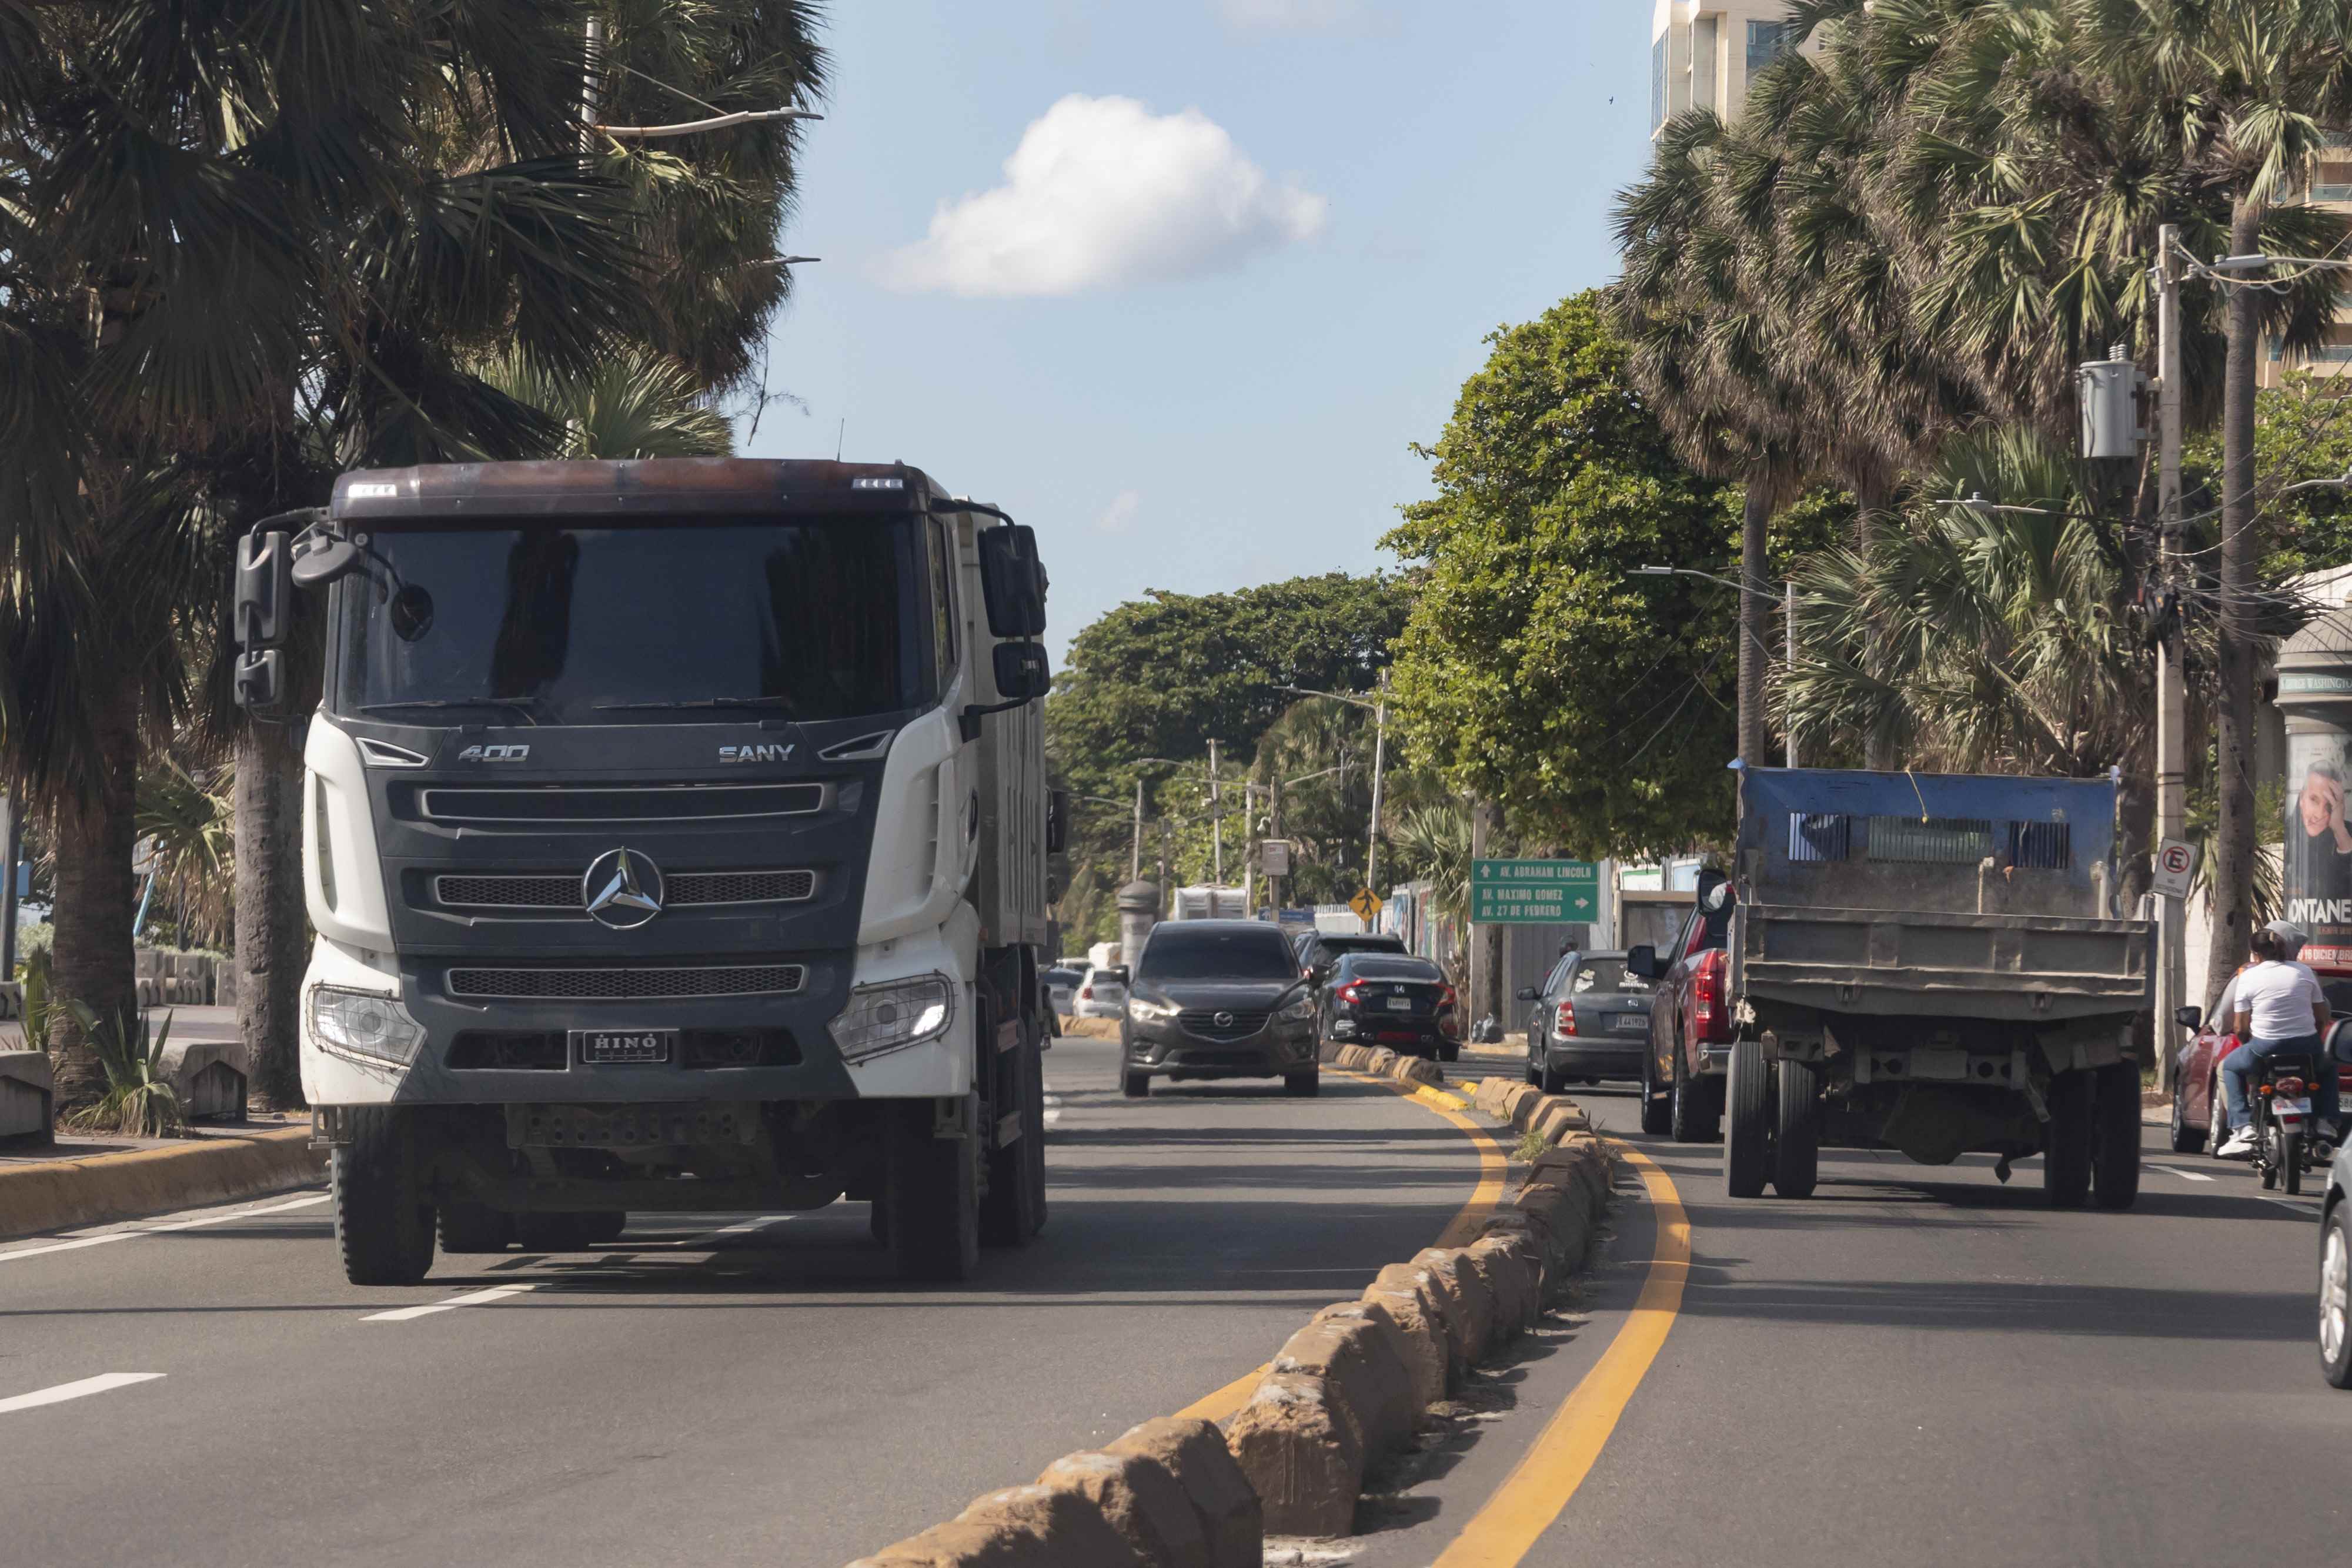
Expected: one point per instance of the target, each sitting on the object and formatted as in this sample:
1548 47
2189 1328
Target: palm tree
638 403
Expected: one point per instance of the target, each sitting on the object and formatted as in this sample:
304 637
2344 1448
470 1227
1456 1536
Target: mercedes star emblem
1225 1020
622 889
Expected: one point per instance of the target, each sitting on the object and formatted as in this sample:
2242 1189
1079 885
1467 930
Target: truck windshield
559 623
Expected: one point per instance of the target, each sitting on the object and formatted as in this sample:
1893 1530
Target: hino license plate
591 1046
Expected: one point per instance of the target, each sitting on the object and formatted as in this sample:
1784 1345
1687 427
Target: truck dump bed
1940 894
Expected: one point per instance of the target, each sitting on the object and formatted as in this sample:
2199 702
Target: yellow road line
1460 1231
1501 1533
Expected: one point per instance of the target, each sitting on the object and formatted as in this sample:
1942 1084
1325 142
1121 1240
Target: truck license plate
593 1046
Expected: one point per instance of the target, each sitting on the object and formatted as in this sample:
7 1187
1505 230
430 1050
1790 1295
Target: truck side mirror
1642 961
260 680
1013 580
263 585
1022 671
2190 1018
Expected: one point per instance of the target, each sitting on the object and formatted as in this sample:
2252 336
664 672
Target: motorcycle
2288 1144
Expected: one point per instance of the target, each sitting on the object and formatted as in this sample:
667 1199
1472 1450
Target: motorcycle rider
2277 1010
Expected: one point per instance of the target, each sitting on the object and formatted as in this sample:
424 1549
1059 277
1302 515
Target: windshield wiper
527 718
699 703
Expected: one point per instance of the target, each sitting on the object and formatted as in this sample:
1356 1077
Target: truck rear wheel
469 1228
1746 1149
1796 1139
1015 1210
2115 1169
605 1225
383 1222
930 1197
2067 1141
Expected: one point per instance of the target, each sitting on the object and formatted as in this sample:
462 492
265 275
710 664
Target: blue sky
1245 256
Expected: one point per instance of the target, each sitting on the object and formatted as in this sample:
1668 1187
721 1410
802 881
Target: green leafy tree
1537 670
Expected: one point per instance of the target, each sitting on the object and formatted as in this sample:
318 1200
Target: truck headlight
893 1016
365 1024
1298 1011
1143 1010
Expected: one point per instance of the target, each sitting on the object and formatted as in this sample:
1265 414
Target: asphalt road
1923 1367
763 1396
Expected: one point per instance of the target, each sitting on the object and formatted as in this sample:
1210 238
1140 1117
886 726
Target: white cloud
1288 16
1118 517
1102 193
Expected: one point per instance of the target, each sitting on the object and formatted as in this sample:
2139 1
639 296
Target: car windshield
1606 975
1334 946
557 623
1365 966
1178 955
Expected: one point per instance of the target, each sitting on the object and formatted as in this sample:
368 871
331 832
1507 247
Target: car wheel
1135 1085
1689 1118
1302 1084
2217 1120
1656 1114
2186 1139
1449 1052
1534 1074
2336 1296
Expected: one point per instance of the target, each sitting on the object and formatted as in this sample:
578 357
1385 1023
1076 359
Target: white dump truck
675 838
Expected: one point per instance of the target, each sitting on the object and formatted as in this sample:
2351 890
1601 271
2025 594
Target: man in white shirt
2277 1010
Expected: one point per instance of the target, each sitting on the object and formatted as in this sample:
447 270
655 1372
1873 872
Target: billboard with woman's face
2319 845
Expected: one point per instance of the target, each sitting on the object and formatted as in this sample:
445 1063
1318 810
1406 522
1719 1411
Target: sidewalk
189 1023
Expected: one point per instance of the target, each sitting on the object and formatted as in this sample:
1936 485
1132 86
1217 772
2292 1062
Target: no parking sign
2176 863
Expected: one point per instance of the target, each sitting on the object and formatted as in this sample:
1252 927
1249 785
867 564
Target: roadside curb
1348 1389
65 1195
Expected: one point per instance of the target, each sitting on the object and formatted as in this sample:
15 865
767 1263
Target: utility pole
1273 831
11 839
1380 762
1135 858
1789 667
2171 690
1216 826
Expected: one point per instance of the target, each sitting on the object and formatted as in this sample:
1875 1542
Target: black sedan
1391 1000
1591 1020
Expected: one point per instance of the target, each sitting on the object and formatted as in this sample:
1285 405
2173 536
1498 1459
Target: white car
1101 995
1061 984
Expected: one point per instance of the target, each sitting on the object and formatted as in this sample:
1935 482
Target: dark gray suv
1217 999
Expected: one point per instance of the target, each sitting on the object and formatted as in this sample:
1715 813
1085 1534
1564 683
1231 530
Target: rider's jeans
2240 1066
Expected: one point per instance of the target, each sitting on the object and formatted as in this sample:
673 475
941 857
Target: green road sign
1534 893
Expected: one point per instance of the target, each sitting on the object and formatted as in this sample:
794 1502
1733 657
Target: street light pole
1380 761
1135 858
1216 829
2171 690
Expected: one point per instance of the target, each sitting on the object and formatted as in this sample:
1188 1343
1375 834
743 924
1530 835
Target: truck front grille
585 985
683 890
561 804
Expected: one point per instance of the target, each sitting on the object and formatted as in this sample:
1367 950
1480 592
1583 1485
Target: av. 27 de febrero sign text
1533 892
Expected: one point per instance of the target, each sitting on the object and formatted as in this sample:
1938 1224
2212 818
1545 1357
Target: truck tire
2068 1140
1747 1134
2115 1159
1656 1115
1303 1085
1013 1209
469 1228
931 1192
605 1225
383 1222
1796 1136
1692 1119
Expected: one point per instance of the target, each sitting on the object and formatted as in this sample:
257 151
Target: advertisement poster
2319 846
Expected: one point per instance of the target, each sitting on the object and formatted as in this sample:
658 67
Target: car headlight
1297 1011
366 1024
893 1016
1144 1011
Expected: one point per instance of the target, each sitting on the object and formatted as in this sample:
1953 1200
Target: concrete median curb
64 1194
1345 1391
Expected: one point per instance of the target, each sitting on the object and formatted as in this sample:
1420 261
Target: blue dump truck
1930 963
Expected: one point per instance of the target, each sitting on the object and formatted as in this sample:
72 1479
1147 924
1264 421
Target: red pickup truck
1691 1025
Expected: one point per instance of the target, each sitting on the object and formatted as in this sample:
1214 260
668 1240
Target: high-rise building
2331 187
1703 52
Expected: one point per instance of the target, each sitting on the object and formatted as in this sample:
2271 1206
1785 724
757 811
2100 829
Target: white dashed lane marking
65 1391
471 1299
2185 1175
221 1218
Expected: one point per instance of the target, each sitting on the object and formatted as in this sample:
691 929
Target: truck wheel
1303 1085
930 1188
1656 1114
384 1223
1012 1211
1135 1085
473 1228
2115 1159
1796 1139
1746 1149
2067 1141
605 1225
552 1232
